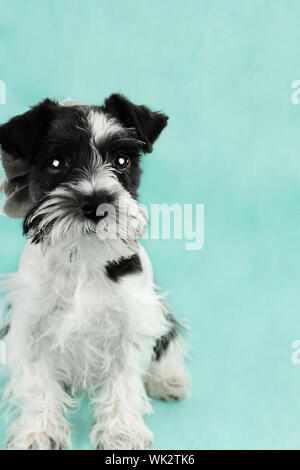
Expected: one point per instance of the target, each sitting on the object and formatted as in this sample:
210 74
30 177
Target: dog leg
167 378
41 402
120 407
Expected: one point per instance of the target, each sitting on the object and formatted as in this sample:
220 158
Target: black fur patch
162 343
117 269
4 331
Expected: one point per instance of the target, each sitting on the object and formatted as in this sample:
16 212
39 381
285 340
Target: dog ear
21 137
148 124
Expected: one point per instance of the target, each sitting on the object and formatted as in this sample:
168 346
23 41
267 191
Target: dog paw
33 441
122 438
25 434
169 388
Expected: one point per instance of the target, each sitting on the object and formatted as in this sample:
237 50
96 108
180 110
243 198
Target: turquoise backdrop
222 70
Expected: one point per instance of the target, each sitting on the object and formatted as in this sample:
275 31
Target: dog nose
89 206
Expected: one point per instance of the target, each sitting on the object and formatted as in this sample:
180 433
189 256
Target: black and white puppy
84 313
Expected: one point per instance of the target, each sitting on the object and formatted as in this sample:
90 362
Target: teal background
222 70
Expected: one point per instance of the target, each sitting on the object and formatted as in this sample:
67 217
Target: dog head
82 161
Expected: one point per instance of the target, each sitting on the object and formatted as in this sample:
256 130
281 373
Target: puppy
84 313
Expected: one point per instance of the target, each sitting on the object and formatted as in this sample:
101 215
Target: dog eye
122 161
56 164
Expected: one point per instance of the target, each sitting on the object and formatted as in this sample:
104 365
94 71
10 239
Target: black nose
89 206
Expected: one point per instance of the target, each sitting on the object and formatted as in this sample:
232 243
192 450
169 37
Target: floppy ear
22 135
20 139
148 124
